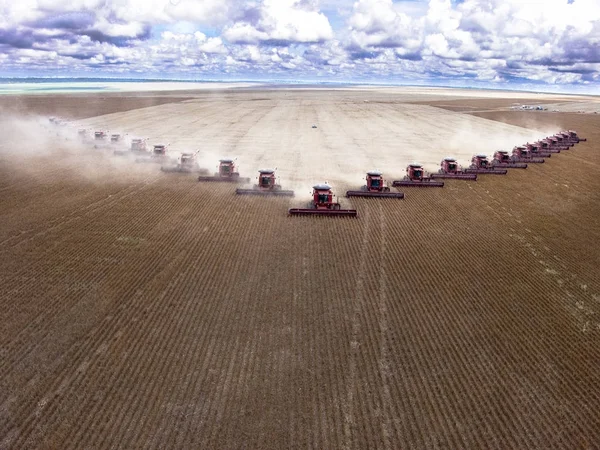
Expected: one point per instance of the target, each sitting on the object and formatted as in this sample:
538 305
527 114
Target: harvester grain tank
481 165
226 172
267 185
449 168
521 154
323 204
185 162
503 159
375 187
415 176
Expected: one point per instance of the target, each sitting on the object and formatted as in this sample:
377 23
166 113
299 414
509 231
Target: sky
543 44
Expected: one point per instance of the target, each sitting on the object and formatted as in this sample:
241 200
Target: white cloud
280 20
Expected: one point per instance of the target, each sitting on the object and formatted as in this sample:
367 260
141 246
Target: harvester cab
449 165
266 179
115 138
480 162
375 187
267 185
375 182
501 157
227 168
323 203
414 172
521 152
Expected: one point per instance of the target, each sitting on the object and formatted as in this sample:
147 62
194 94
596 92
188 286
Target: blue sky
481 43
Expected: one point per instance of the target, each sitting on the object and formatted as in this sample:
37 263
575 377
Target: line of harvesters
323 199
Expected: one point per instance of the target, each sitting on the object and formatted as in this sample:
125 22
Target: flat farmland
141 309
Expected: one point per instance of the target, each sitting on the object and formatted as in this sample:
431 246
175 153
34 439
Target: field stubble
155 311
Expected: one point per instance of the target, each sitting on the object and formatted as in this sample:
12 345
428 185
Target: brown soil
158 312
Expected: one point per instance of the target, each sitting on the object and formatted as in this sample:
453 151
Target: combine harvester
573 137
481 165
375 187
100 138
185 162
83 135
546 146
226 173
536 150
521 154
323 204
557 144
449 169
159 154
267 185
415 177
564 139
502 159
138 146
116 140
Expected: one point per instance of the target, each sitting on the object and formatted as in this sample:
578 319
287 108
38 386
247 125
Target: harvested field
145 309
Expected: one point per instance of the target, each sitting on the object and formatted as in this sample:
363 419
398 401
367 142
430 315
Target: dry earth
146 310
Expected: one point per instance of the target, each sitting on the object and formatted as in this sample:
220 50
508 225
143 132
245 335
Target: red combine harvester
116 140
521 154
185 162
546 146
323 204
449 169
536 150
564 138
267 185
574 137
375 187
100 139
82 134
557 143
100 135
503 159
159 154
138 146
226 173
481 165
415 177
